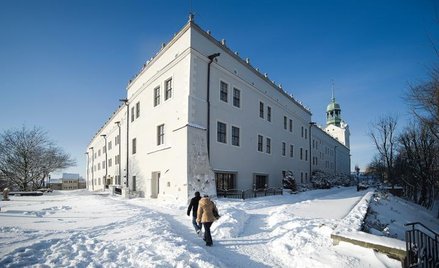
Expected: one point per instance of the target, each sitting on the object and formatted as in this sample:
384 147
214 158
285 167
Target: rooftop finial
191 16
332 81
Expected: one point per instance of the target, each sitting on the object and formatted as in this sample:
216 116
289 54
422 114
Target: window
99 166
225 181
168 88
261 109
306 133
235 136
137 109
104 149
306 155
134 183
117 160
284 146
161 134
291 125
291 150
132 114
268 146
260 181
301 153
285 122
99 152
110 162
116 140
221 132
223 91
103 164
236 97
260 143
156 96
134 145
109 145
302 132
268 113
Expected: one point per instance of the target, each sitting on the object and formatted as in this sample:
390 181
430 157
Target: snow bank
230 224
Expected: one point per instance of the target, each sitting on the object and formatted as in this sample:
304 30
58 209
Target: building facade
197 117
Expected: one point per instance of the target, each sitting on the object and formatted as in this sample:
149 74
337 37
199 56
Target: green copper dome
333 113
333 106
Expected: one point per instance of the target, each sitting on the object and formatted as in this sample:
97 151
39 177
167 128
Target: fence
422 247
250 193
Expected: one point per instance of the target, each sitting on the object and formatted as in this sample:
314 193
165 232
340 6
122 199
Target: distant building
69 181
198 117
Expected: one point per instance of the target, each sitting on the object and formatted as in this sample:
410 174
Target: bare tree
424 101
376 168
419 154
27 157
385 140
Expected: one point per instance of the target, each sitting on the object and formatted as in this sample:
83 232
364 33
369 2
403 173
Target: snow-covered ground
82 229
388 214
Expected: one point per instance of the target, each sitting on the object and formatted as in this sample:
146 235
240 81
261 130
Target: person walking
206 215
193 205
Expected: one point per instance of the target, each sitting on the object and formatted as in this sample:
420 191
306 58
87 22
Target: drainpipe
310 148
211 58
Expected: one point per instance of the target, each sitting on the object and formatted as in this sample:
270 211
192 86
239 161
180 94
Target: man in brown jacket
205 215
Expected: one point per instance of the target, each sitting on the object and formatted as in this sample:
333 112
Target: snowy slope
81 229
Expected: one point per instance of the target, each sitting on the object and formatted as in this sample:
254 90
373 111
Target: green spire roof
333 112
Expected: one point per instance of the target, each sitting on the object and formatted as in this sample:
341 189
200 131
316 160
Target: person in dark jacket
206 216
194 207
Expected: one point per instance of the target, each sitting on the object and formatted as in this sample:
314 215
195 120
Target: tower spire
333 97
333 111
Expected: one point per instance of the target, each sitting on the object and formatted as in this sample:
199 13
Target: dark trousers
195 224
207 235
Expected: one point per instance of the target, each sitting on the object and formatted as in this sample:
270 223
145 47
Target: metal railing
422 245
249 193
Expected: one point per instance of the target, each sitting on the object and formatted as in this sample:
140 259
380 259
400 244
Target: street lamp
128 136
106 160
92 168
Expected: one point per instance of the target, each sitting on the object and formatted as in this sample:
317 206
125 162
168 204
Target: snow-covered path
80 229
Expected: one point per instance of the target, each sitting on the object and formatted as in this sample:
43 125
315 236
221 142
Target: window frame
137 109
260 143
221 132
168 90
156 93
268 145
268 113
236 138
160 134
134 146
284 148
236 97
261 109
224 91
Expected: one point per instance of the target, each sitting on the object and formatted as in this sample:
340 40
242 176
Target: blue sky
65 64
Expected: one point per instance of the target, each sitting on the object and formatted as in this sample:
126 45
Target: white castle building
197 117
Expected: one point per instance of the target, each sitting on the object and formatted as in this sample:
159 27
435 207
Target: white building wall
95 168
245 160
182 160
168 159
333 157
